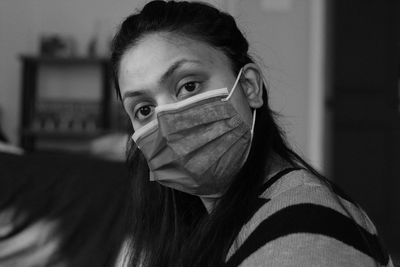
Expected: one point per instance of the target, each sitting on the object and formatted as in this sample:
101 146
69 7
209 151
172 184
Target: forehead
145 62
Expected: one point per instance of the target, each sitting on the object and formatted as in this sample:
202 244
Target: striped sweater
300 221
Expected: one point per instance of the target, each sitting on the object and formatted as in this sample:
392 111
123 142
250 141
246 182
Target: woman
229 190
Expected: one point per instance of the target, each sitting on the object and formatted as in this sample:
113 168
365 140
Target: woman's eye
188 89
144 112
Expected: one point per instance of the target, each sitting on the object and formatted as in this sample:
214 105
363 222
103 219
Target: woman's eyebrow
130 94
176 65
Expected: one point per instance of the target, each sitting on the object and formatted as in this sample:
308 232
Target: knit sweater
301 220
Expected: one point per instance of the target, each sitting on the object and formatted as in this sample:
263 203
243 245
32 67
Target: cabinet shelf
63 134
75 119
65 60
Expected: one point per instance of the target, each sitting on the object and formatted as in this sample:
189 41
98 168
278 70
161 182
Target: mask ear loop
234 85
230 94
253 123
254 112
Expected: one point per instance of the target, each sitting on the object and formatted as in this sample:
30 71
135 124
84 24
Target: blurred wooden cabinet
62 120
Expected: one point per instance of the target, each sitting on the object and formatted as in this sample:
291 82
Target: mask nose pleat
151 144
197 151
203 114
187 141
218 159
228 158
211 153
163 158
173 171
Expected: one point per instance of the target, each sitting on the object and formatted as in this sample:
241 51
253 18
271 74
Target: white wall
278 30
286 37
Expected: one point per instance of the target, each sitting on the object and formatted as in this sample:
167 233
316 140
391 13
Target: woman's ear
252 85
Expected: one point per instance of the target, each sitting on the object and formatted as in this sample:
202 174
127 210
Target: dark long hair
171 228
84 199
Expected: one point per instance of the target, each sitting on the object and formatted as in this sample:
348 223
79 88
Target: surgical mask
196 145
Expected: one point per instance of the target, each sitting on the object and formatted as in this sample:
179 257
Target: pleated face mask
196 145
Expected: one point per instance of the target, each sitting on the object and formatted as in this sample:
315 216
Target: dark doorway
364 39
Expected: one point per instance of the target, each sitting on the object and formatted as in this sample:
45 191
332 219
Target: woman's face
165 68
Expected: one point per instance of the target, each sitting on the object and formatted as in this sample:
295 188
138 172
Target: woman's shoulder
304 220
293 186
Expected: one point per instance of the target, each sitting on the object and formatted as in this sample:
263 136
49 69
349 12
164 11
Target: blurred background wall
287 39
279 32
